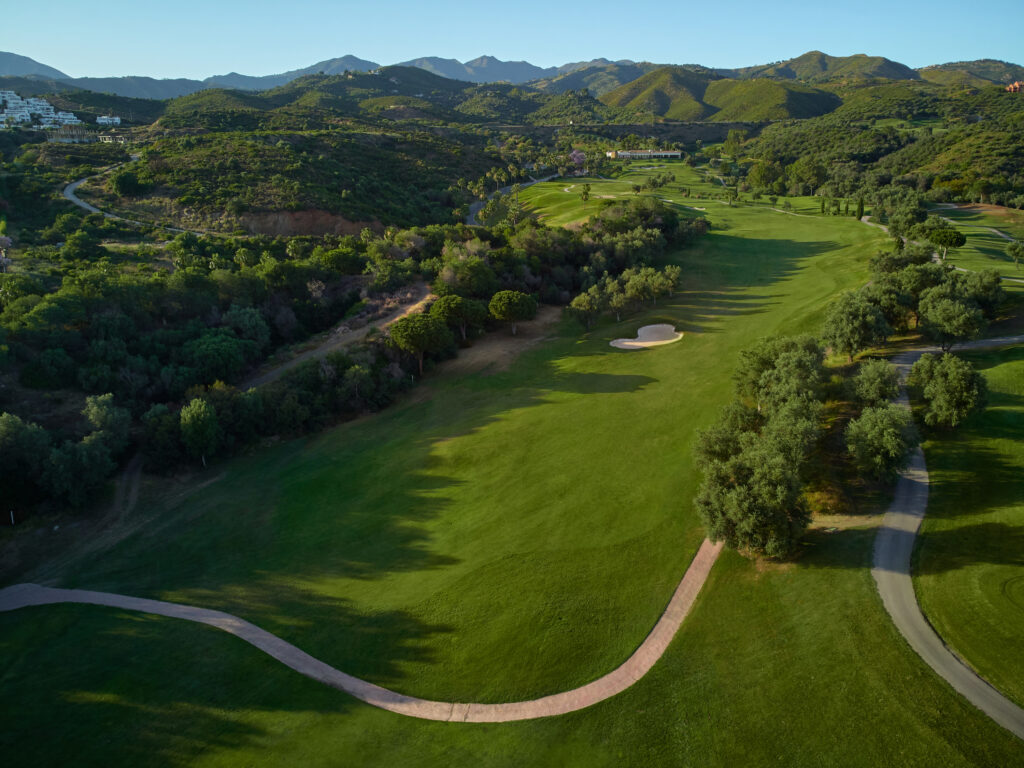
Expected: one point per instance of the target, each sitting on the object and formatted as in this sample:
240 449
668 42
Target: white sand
649 336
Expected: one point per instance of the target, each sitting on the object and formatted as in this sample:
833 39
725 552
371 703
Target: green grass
498 536
969 571
984 249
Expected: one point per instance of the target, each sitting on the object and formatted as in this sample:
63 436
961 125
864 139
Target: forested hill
815 66
678 93
392 94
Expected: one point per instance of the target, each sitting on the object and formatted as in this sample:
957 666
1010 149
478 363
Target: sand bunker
649 336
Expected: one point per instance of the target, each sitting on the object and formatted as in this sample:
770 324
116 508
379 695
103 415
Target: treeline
755 458
909 290
626 292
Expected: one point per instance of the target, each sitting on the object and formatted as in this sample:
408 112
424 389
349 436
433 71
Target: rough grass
499 537
969 572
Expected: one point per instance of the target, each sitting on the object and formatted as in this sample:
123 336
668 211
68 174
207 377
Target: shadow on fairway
98 686
968 545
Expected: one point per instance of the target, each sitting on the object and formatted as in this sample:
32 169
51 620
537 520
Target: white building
108 120
643 154
15 110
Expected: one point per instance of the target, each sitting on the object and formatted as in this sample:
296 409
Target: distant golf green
498 536
969 571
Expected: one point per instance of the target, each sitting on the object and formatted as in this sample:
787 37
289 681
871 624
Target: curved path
71 190
635 667
894 546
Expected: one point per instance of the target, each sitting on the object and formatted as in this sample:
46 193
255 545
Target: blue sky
187 38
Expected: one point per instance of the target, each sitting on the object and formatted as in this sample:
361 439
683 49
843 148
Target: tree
947 238
419 334
125 183
111 422
81 246
950 386
249 324
778 369
854 323
200 431
512 307
1015 251
860 208
947 319
585 193
24 449
588 305
753 500
459 313
876 382
75 471
881 439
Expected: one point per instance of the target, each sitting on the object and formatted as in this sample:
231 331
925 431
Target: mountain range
599 76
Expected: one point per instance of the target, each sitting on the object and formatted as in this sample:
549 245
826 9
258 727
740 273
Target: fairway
500 536
969 572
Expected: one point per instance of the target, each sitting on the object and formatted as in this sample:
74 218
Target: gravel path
894 546
634 668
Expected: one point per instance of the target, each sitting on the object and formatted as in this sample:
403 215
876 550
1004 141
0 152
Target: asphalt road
894 546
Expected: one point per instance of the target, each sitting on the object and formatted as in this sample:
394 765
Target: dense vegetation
157 337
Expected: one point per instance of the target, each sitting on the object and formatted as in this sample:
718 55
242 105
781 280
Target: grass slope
969 569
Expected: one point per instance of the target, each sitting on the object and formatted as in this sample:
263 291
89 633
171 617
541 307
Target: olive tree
876 382
950 387
881 439
854 323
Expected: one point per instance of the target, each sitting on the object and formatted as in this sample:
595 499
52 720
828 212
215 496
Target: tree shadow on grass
951 549
88 685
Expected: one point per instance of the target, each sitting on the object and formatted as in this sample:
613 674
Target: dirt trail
340 337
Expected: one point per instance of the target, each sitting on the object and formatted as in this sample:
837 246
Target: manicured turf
969 571
497 537
984 249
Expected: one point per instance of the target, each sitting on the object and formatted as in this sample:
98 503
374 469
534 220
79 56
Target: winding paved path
894 546
634 668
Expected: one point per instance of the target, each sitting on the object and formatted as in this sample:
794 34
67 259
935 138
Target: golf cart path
894 546
634 668
955 207
935 256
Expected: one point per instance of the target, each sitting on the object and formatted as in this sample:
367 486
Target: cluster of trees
754 458
949 306
69 472
881 438
630 290
657 181
219 420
